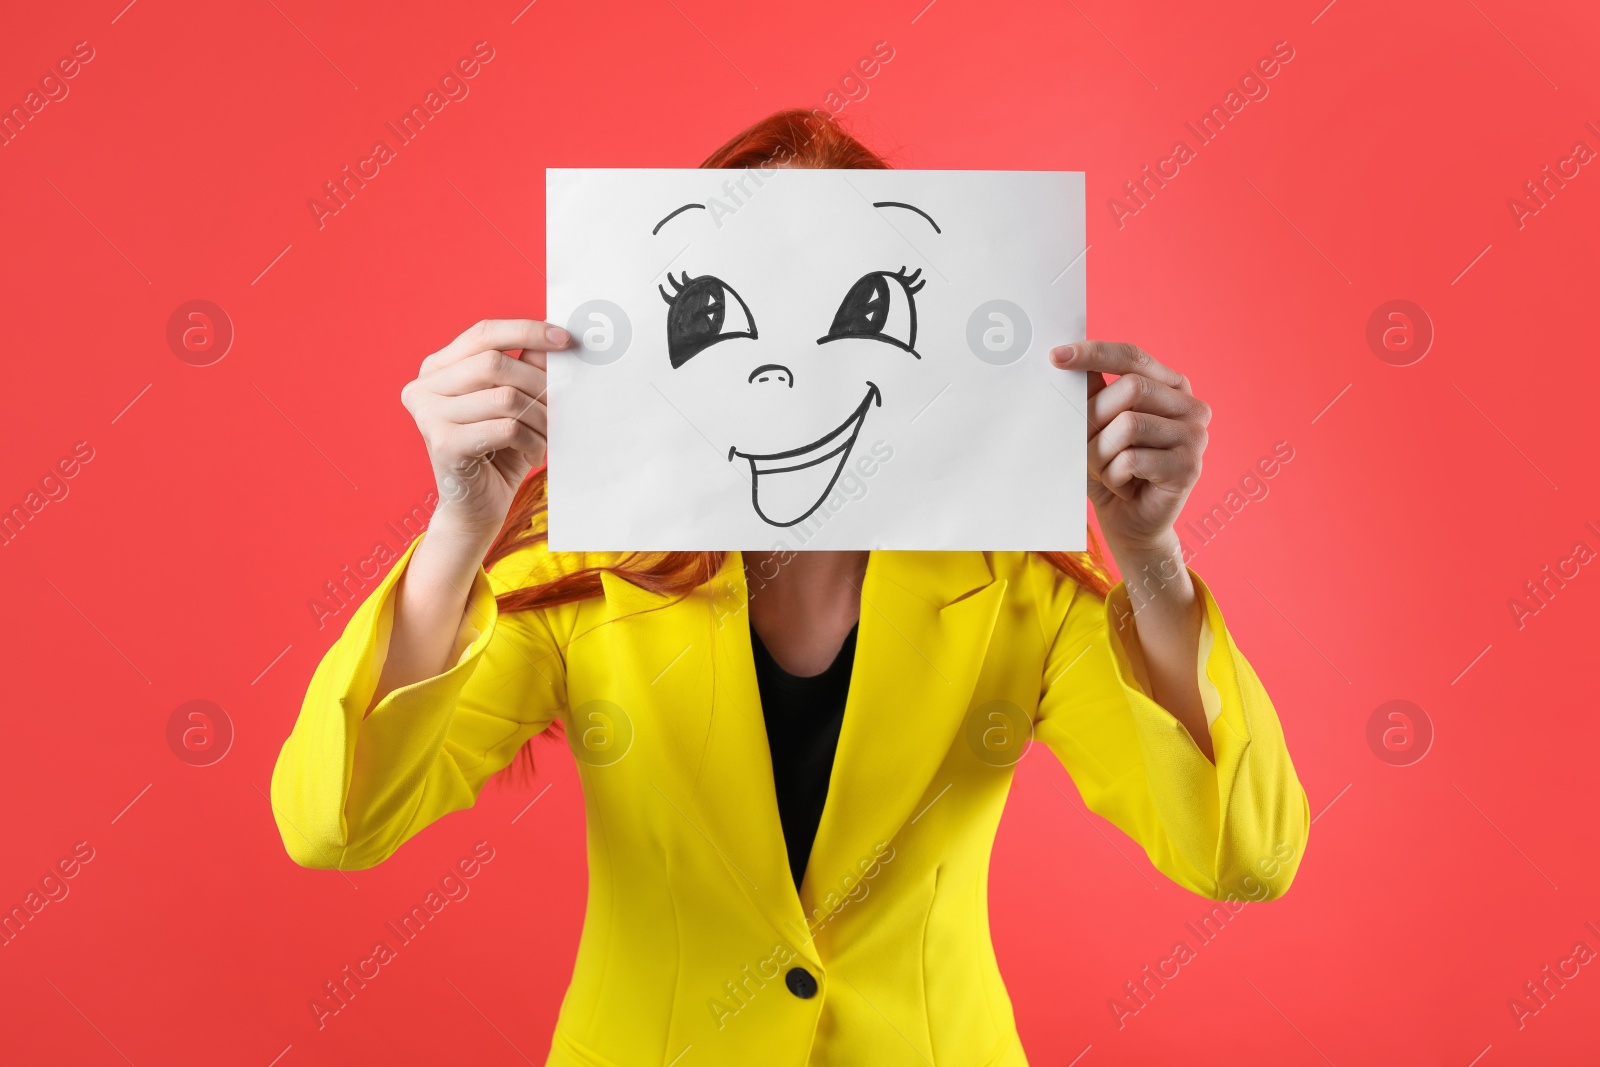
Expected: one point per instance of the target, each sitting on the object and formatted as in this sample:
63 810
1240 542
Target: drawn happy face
759 345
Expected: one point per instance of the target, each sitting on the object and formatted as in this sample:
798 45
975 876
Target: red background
220 498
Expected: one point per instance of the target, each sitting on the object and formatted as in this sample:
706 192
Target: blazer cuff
472 635
312 779
1129 654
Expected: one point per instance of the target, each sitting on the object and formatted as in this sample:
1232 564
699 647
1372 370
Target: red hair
793 138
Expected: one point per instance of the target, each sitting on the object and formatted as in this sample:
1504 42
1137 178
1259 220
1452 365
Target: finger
1136 392
1136 429
1158 466
482 438
1116 357
506 460
501 402
499 335
486 370
1125 492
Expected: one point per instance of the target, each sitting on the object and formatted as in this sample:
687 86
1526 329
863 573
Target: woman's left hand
1147 432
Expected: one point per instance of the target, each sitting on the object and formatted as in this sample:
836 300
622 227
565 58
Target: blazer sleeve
348 791
1233 829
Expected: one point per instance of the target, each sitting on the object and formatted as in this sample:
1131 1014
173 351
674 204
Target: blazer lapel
926 620
692 662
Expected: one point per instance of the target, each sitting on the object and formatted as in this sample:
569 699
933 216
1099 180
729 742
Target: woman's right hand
482 416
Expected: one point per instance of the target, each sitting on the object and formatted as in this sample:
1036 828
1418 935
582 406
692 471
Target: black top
803 715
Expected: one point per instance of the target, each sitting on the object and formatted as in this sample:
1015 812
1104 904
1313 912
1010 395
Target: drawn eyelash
907 279
677 288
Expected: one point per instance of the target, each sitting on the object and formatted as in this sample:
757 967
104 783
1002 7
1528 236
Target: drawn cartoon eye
882 306
704 310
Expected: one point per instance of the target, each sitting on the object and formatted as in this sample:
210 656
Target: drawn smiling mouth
786 487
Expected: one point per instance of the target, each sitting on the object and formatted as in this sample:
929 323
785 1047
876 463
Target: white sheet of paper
850 359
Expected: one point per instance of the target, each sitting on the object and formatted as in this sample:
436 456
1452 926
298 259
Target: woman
791 797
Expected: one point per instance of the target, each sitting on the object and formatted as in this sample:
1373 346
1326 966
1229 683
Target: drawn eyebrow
684 208
918 210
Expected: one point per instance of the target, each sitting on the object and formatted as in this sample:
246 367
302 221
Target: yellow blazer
694 932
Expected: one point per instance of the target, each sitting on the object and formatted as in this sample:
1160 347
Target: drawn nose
772 372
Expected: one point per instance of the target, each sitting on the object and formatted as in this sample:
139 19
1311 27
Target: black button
800 983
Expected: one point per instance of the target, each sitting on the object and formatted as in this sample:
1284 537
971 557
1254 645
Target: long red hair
792 138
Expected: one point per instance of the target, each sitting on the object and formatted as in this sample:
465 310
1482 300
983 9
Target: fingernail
556 335
1064 354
